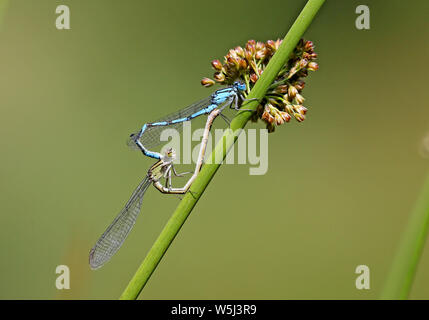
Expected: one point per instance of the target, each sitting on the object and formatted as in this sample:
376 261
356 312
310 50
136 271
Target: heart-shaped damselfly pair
149 136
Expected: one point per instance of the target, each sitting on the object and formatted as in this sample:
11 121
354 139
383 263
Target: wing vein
114 236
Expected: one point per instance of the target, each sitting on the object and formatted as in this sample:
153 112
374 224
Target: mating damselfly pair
148 137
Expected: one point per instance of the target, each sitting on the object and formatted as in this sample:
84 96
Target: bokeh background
339 189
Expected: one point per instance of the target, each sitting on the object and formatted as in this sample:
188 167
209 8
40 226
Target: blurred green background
338 192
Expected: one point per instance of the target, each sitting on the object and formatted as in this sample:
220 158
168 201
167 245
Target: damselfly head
239 85
170 153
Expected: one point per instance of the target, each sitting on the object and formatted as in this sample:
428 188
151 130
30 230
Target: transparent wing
151 137
111 240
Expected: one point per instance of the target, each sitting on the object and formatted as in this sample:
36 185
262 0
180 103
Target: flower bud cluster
284 99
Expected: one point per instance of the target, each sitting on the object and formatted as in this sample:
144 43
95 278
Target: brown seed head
207 82
217 65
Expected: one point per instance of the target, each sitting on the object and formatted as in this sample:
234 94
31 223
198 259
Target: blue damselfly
149 134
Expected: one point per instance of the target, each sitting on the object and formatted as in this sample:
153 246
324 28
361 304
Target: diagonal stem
404 267
185 207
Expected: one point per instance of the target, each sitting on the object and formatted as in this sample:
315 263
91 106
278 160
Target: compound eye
169 152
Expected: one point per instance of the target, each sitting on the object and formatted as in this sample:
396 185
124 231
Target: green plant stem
402 273
208 171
